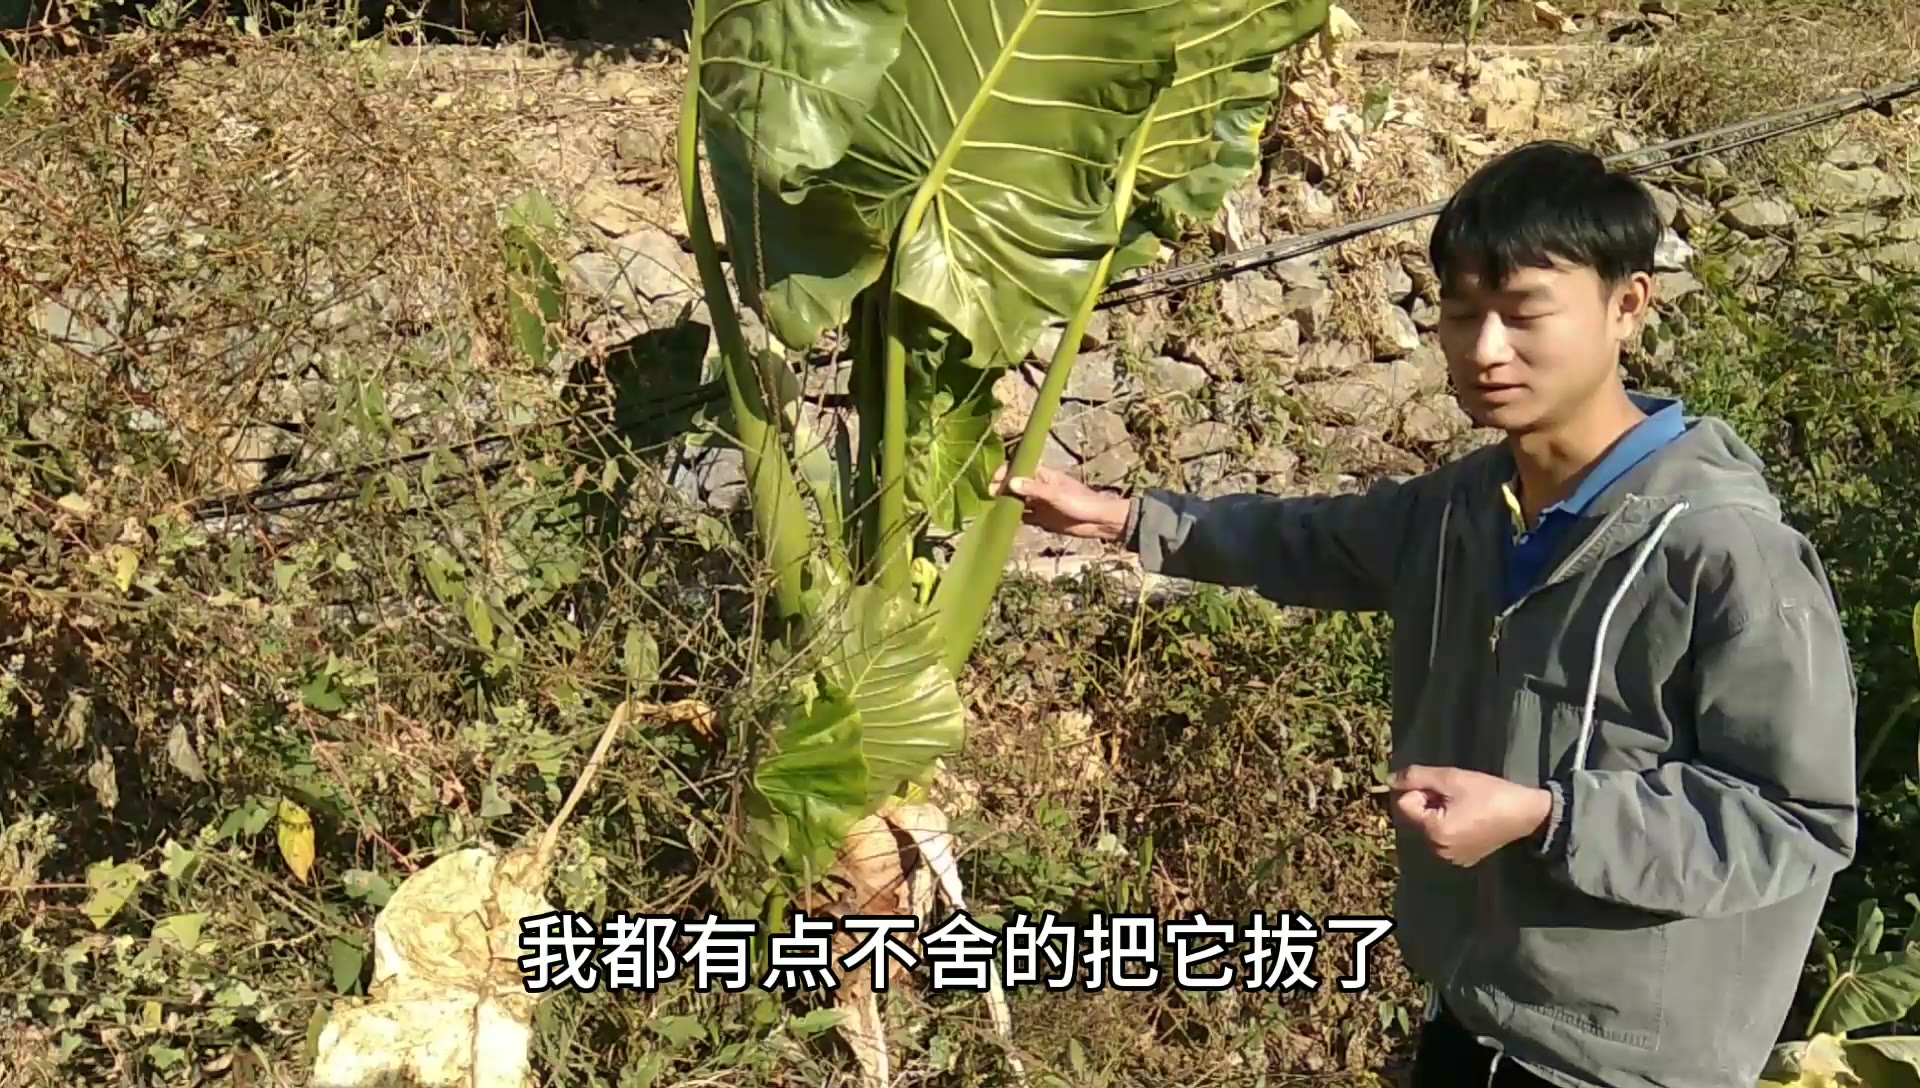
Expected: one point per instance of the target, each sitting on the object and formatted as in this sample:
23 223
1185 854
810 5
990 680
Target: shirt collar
1666 420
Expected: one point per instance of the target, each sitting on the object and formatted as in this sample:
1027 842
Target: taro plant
931 184
1870 991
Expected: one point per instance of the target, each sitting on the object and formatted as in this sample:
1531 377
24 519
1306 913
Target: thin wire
1150 285
1182 277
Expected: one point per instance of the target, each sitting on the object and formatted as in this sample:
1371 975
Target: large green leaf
1206 127
1879 989
991 144
887 665
951 444
812 787
1870 924
1890 1061
794 77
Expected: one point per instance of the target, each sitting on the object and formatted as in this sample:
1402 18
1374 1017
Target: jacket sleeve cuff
1130 529
1553 838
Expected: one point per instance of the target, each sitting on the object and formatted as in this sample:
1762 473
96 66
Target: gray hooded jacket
1679 682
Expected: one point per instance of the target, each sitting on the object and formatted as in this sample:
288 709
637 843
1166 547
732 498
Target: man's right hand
1061 504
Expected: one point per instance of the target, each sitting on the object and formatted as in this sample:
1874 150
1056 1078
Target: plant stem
979 561
1885 731
543 854
896 540
778 513
869 355
1820 1010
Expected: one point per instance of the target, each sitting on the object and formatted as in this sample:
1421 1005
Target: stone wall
1262 383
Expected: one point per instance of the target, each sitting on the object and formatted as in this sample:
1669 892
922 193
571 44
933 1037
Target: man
1623 711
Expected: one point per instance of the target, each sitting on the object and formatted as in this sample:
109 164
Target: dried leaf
448 1004
126 563
296 839
180 753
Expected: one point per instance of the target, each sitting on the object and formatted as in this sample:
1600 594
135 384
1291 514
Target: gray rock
1673 253
1172 374
1238 483
1426 285
1111 467
1851 155
1426 315
1709 168
1333 358
1864 187
1016 396
1431 363
1242 223
641 145
833 377
1398 283
1247 301
1096 336
1092 378
1090 431
1666 202
1899 256
1757 261
1056 456
1394 333
1854 227
722 468
658 268
1281 337
1674 286
1210 436
1314 207
1759 216
1274 462
1693 214
1434 420
1309 306
65 322
1300 272
601 276
1368 393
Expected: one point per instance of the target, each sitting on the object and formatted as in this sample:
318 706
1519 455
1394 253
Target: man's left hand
1467 815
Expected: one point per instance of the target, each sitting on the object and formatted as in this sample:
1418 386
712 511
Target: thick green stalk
979 561
896 538
869 356
779 516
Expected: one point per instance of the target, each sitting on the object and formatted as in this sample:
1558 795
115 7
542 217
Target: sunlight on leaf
112 886
295 835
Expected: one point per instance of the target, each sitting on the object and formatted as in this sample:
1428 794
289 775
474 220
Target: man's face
1535 350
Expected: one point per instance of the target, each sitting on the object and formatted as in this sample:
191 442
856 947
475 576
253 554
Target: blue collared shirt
1528 550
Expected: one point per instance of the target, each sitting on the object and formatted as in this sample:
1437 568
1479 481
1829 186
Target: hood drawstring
1439 581
1606 618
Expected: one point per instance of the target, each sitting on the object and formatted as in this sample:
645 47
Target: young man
1623 712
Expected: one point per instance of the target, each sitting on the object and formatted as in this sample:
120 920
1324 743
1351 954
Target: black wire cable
1149 285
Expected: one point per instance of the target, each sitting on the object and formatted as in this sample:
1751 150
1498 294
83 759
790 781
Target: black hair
1540 202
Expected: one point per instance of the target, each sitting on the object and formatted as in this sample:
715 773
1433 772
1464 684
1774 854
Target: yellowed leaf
447 1006
126 563
296 839
682 712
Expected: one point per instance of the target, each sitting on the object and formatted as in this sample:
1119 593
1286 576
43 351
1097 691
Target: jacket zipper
1493 648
